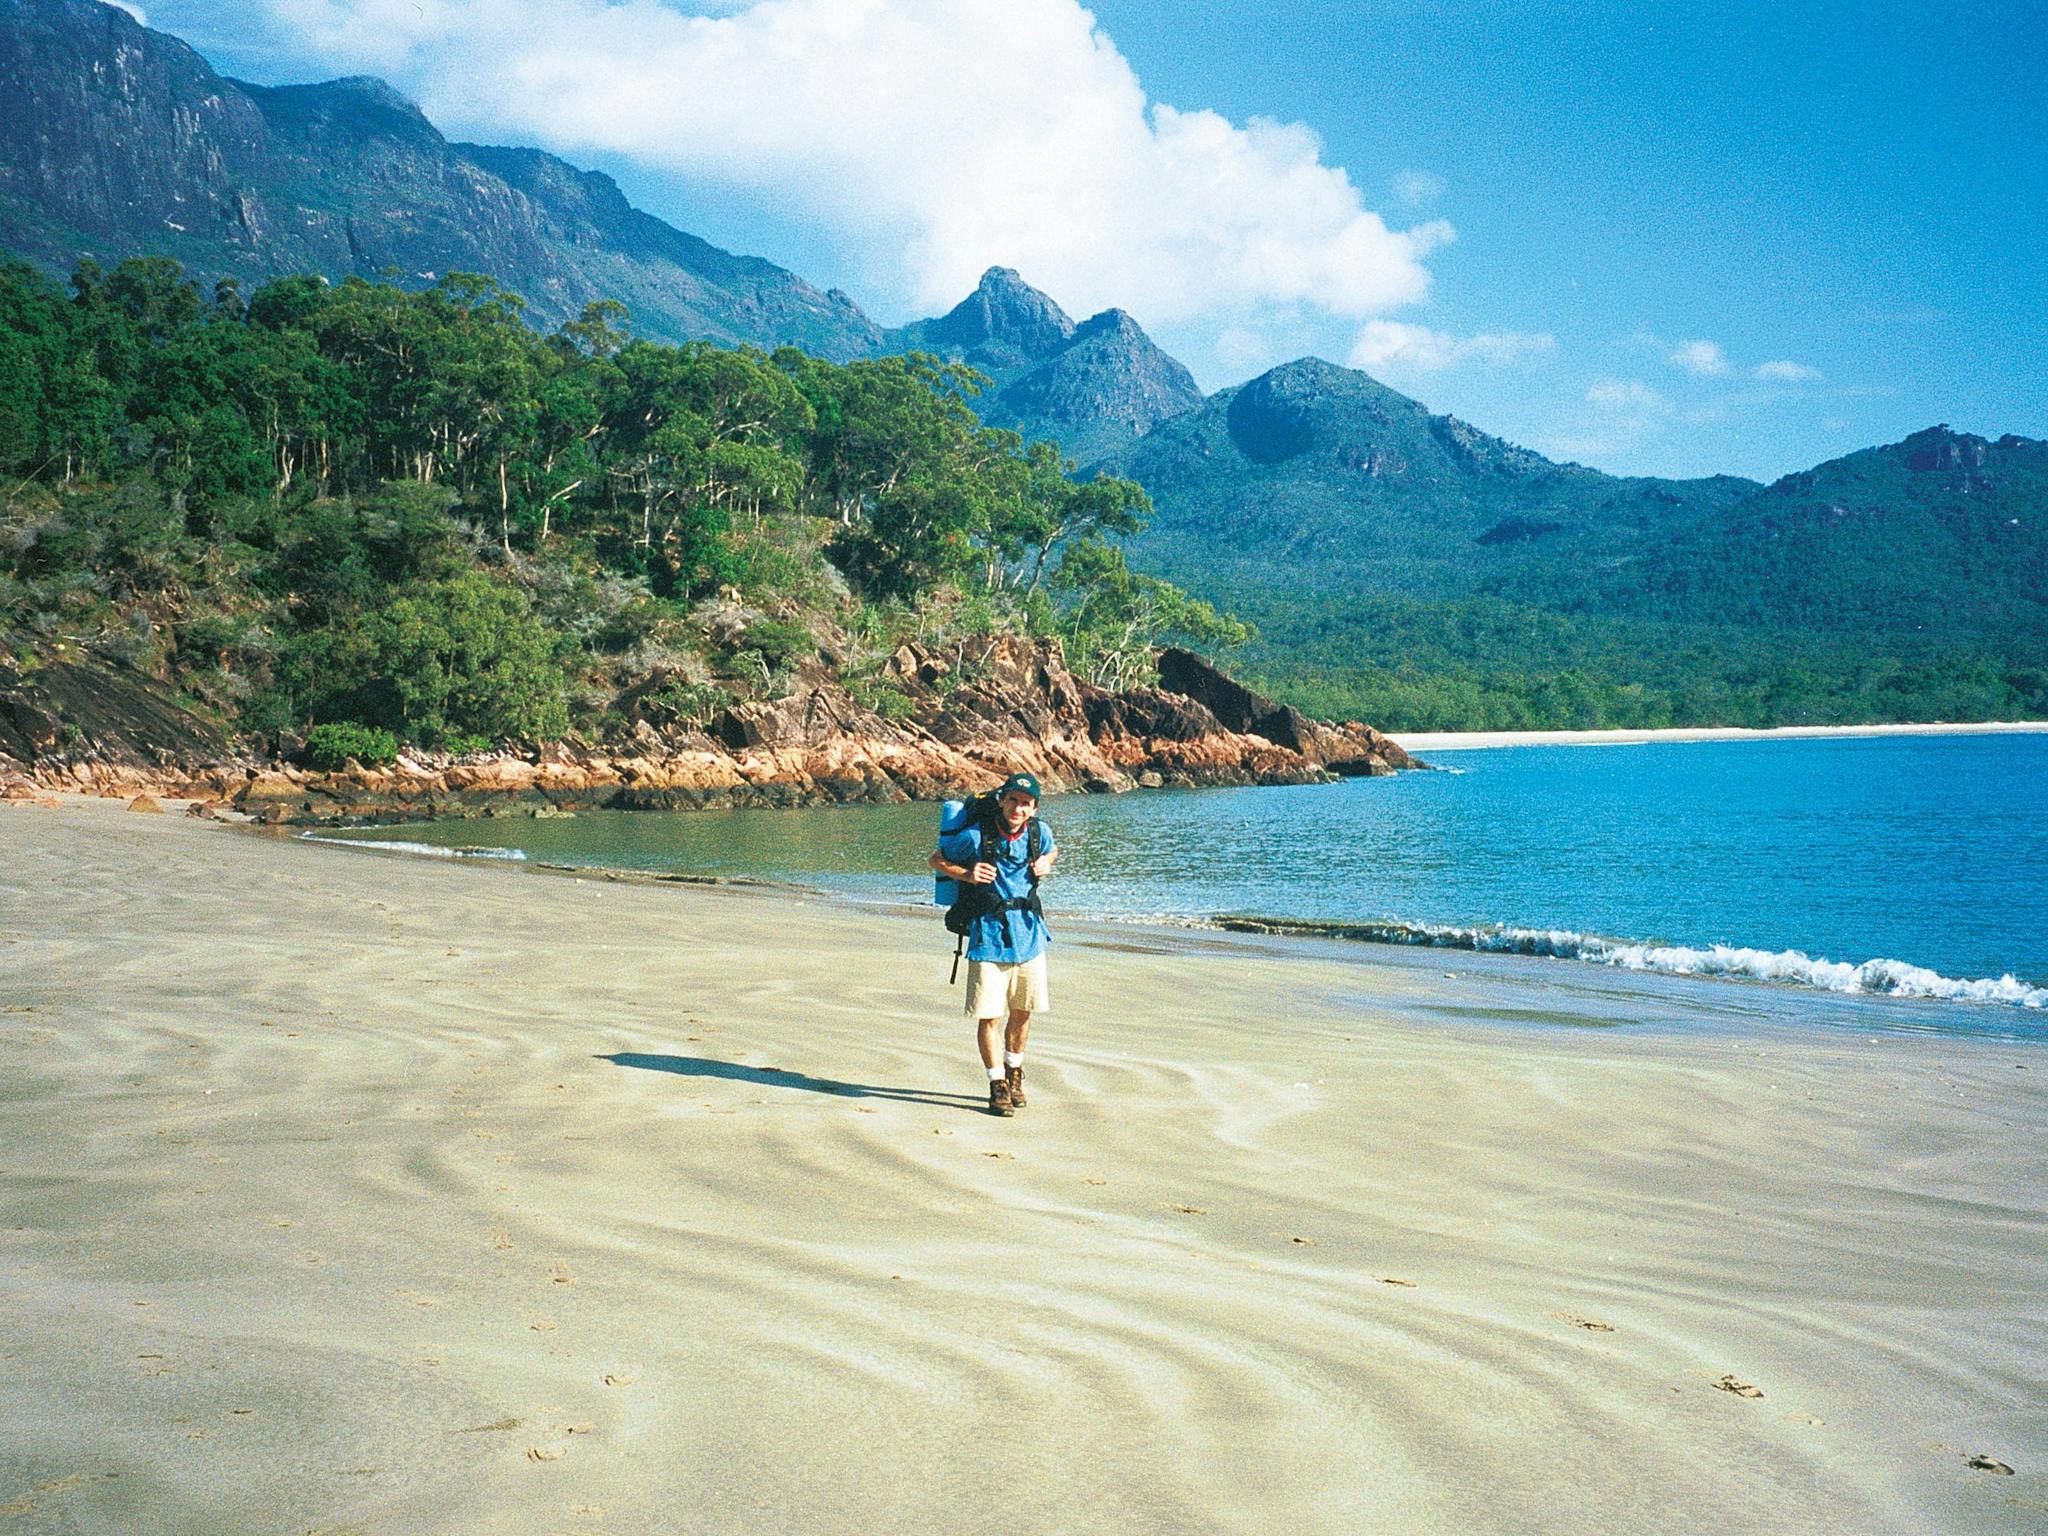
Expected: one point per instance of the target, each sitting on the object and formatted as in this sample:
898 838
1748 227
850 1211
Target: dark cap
1023 781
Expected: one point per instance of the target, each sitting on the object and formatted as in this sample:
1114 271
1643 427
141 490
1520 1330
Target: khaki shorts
995 989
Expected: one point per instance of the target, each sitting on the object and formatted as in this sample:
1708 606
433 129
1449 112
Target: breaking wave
1881 978
423 850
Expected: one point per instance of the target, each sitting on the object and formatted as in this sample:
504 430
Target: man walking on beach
1007 853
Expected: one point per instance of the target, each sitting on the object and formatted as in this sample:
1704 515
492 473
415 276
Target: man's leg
986 1032
1014 1036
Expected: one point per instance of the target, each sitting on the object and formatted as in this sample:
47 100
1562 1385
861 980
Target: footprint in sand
543 1453
1189 1210
619 1379
1738 1388
487 1429
1391 1280
1987 1464
1302 1242
1095 1181
1586 1323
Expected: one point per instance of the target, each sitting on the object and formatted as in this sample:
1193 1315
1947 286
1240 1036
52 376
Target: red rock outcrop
969 715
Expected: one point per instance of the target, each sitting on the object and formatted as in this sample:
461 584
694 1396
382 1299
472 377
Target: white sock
1013 1058
995 1074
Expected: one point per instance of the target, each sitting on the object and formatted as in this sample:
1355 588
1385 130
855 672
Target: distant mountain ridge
1093 388
119 140
1318 476
123 141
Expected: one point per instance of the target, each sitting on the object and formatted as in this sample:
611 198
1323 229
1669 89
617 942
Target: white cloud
1703 358
935 137
133 10
1418 189
1630 396
1785 372
1397 346
1244 351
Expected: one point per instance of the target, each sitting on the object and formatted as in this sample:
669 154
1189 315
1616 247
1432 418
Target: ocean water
1904 866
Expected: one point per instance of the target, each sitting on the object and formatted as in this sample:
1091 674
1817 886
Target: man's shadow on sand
776 1077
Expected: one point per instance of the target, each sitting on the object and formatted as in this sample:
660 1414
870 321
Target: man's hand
982 874
1042 865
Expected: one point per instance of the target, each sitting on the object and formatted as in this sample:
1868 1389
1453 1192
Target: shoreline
1456 741
575 1203
2007 1006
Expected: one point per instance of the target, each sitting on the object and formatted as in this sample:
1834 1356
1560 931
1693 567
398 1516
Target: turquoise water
1909 866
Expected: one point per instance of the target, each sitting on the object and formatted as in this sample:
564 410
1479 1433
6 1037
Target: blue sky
1660 240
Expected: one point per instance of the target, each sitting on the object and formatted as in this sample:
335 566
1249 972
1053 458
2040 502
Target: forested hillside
377 515
1409 569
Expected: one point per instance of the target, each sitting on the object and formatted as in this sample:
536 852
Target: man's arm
977 873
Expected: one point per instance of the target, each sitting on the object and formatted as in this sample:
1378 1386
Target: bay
1906 866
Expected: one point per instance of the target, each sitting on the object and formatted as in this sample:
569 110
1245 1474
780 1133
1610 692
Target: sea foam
1887 978
423 850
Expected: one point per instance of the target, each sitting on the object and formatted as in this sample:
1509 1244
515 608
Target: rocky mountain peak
1111 322
355 108
1004 315
1310 403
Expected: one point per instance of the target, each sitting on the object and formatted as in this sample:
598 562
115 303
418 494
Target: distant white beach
1445 741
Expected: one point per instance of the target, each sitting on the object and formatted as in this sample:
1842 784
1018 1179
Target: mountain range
121 141
1305 489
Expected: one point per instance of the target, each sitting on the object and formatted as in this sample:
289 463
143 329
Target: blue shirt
1007 937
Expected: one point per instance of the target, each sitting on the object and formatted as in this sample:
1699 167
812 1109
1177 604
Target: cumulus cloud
1418 189
1245 351
935 137
1702 358
1398 345
1785 372
1630 396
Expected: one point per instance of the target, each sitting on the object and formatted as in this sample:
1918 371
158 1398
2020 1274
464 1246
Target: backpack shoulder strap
990 823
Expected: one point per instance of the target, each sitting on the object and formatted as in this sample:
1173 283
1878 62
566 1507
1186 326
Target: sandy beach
349 1192
1445 741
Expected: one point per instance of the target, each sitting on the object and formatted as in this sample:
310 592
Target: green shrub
329 747
779 641
441 662
881 696
687 703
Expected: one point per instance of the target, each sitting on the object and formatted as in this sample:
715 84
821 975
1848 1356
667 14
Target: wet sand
346 1192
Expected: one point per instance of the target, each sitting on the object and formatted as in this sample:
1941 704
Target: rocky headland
977 710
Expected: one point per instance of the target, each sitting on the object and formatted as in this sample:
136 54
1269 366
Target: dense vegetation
1409 570
380 515
1485 663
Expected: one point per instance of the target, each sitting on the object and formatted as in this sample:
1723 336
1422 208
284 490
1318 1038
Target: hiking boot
1016 1082
999 1101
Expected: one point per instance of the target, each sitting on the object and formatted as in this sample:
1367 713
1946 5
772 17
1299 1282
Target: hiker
998 858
